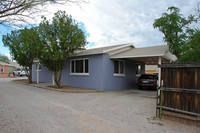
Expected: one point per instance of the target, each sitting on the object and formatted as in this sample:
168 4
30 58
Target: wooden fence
181 89
185 76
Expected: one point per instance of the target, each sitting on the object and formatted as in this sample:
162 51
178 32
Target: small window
2 68
40 67
138 69
79 67
119 68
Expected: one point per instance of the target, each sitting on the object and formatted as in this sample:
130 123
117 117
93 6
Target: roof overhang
148 55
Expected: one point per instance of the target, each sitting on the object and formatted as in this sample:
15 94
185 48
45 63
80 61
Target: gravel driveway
27 109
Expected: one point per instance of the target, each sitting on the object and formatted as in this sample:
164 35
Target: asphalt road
27 109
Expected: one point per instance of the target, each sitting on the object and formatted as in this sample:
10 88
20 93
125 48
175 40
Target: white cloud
16 27
8 55
111 22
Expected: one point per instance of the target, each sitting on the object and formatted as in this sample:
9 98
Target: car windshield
148 77
18 69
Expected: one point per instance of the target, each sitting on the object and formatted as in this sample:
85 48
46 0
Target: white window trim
120 74
79 74
3 68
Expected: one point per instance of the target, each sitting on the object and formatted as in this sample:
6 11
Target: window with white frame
79 66
138 69
119 68
40 67
2 68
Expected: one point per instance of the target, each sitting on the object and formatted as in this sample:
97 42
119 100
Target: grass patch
152 120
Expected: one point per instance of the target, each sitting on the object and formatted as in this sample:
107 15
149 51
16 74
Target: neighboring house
107 68
13 66
4 72
151 69
7 69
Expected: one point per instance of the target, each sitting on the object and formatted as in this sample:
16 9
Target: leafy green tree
192 48
25 46
175 28
61 38
197 9
4 58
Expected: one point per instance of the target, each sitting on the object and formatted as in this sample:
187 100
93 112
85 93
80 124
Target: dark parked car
147 81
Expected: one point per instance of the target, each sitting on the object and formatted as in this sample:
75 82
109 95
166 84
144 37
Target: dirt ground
28 109
63 87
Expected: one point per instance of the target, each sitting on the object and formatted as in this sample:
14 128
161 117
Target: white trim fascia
80 59
170 56
76 55
158 55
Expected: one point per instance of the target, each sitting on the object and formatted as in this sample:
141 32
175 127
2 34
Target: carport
149 55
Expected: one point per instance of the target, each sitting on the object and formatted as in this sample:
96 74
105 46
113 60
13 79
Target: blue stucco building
104 68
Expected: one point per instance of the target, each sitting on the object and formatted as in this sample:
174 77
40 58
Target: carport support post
53 83
158 84
159 80
37 68
37 72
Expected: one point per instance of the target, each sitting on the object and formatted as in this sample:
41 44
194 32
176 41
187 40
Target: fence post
157 100
161 95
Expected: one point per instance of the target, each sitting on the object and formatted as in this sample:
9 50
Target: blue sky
4 30
112 22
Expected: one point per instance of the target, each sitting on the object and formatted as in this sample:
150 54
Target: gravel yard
27 109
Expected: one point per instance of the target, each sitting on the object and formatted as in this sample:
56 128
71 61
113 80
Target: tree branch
9 8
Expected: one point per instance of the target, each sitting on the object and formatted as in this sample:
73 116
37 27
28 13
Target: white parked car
19 72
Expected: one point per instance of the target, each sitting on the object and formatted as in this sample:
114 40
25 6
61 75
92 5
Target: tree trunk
57 78
29 74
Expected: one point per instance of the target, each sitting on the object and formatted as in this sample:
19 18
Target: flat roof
149 55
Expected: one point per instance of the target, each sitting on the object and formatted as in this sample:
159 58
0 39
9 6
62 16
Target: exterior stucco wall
93 80
44 75
111 82
101 74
